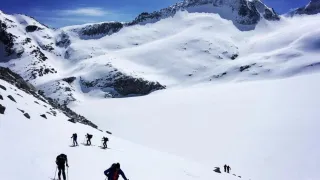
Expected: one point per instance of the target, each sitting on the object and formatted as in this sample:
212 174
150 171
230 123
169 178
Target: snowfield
263 129
30 147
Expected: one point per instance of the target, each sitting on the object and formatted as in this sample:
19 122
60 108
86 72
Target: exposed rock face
69 79
7 75
2 87
2 109
102 29
313 7
11 98
6 38
132 86
63 40
44 116
32 28
27 115
118 84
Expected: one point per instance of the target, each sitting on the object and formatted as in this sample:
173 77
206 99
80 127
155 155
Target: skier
114 171
89 136
228 169
74 137
60 161
105 140
225 168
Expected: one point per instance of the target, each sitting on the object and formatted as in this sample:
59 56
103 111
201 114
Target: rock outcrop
7 75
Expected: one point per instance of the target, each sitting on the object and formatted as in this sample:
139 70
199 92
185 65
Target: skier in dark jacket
228 169
114 171
74 137
225 168
105 140
61 160
89 136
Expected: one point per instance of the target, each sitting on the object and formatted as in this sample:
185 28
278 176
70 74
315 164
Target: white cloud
88 11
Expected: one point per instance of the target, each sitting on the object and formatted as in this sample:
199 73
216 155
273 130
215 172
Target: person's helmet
117 165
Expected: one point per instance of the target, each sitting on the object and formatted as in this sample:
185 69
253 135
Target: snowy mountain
39 53
206 42
313 7
245 14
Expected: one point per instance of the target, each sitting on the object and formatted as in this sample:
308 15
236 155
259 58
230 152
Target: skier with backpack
228 169
114 171
89 137
225 168
74 137
105 140
61 160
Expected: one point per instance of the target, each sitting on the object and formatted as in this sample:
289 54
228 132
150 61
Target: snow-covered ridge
313 7
245 14
241 12
50 106
39 53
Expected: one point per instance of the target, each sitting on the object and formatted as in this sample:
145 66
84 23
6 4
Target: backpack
105 139
61 159
90 136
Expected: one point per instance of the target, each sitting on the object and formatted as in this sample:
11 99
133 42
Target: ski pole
67 173
55 173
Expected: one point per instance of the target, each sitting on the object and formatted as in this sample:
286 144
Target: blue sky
58 13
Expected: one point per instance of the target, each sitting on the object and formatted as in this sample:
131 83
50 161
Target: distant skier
225 168
114 171
105 140
89 137
61 160
228 169
74 137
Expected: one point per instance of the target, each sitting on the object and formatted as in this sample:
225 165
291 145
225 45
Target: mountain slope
30 146
50 105
39 55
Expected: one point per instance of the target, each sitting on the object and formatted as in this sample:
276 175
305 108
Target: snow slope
263 129
30 146
202 47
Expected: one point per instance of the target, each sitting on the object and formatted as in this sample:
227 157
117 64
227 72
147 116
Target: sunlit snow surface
264 129
29 148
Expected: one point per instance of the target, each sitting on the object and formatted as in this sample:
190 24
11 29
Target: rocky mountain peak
313 7
241 12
